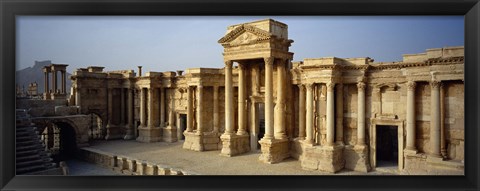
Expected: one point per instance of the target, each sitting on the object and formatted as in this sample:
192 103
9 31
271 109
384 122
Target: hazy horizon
169 43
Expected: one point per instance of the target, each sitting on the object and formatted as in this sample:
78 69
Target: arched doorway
60 139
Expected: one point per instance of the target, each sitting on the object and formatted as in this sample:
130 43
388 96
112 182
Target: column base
356 158
149 134
170 134
323 158
274 150
193 141
46 96
128 133
233 144
56 96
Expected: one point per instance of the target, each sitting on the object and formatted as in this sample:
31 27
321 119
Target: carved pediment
245 34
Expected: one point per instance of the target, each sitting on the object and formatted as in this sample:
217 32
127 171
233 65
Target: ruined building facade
329 113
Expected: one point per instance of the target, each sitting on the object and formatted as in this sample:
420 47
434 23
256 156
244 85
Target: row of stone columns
53 71
334 131
199 111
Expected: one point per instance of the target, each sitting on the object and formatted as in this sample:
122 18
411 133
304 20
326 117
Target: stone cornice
262 35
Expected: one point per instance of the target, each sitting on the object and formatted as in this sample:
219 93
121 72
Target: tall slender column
256 80
411 116
54 81
268 97
46 80
129 134
78 96
301 111
435 119
171 114
443 147
122 106
110 109
280 106
142 107
228 98
199 110
241 100
215 109
339 111
309 120
151 115
162 107
330 114
64 87
361 114
189 109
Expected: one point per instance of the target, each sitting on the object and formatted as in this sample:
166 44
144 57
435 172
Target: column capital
411 85
309 86
268 60
330 86
435 84
228 63
300 86
361 86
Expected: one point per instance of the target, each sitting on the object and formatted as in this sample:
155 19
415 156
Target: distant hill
35 74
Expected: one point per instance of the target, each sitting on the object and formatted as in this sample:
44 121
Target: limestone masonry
329 113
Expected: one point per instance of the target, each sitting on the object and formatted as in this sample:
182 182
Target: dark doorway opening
387 146
68 144
182 126
261 122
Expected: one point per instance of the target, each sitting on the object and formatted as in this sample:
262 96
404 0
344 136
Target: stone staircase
31 157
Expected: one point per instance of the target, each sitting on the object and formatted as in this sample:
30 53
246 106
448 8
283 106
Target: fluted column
339 111
301 111
150 108
199 110
129 134
268 98
215 109
228 98
330 114
309 117
280 106
361 114
142 107
435 119
411 116
241 101
189 109
162 107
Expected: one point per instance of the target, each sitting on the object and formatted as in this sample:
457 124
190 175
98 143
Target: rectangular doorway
261 123
182 126
387 146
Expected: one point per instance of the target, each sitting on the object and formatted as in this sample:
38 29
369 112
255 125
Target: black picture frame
9 9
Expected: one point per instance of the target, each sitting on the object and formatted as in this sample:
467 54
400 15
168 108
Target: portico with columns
55 91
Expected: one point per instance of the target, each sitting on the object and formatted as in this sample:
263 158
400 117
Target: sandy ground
207 163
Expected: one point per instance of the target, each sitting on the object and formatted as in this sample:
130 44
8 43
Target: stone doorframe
373 139
254 120
178 122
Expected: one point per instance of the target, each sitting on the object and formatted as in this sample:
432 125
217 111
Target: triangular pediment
245 34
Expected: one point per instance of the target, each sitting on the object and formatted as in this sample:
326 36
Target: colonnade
199 91
53 69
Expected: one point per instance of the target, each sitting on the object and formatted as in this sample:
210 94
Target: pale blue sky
169 43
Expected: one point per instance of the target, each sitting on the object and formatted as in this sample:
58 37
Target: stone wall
40 108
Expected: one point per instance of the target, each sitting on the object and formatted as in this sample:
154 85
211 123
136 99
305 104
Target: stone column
256 81
309 117
77 97
215 109
189 109
443 147
162 107
150 108
435 119
411 116
242 119
122 106
64 87
268 98
361 114
46 80
199 110
54 81
142 108
228 98
330 114
280 106
129 134
301 111
109 105
339 111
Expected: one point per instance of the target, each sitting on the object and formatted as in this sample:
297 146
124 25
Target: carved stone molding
435 84
361 86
